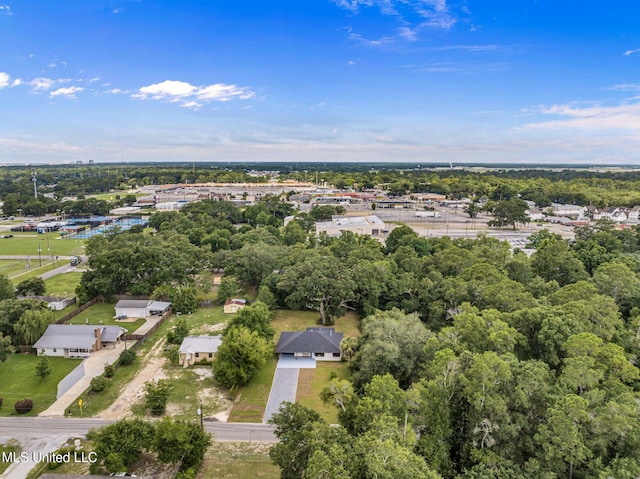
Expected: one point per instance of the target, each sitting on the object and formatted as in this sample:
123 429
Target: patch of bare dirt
151 370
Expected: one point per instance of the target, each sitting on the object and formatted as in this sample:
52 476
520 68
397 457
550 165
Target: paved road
45 435
25 427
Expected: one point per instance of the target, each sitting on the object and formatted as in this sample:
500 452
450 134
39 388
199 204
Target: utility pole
35 181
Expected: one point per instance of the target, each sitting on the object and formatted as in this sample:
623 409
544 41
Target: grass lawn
237 461
63 284
18 380
49 244
94 403
10 446
202 320
252 399
16 269
103 313
312 381
287 320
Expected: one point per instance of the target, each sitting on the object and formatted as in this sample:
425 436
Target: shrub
0 402
98 384
127 356
109 370
157 396
23 406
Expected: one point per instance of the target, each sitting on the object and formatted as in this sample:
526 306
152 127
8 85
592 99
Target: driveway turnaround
285 383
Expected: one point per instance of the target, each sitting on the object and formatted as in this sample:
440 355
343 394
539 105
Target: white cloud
114 91
4 79
67 92
631 52
45 84
433 14
633 87
624 117
193 96
16 82
5 10
408 34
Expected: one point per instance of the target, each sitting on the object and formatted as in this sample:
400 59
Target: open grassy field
43 393
20 269
312 381
50 244
63 284
203 320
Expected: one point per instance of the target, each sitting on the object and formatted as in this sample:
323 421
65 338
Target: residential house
634 213
140 308
195 349
322 344
232 306
77 340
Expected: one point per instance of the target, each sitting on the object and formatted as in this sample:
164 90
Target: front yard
251 401
18 380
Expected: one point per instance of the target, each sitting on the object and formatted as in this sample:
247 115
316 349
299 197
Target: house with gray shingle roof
140 308
319 343
195 349
77 340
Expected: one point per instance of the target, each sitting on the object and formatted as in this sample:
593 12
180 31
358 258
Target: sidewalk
93 366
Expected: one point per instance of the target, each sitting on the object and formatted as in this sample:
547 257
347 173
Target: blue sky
320 80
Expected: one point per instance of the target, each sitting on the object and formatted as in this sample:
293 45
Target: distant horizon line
395 164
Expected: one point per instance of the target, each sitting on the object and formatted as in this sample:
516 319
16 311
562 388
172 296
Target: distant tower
35 183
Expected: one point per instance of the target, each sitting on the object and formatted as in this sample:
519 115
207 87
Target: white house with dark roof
77 340
195 349
140 308
322 344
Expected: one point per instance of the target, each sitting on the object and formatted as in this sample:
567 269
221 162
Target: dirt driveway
151 370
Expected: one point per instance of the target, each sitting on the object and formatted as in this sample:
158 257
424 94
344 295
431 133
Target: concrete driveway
285 382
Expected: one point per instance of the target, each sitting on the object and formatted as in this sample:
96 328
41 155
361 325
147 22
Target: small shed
232 306
195 349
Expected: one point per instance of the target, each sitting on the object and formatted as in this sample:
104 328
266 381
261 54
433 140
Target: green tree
120 444
7 290
228 289
181 442
509 212
156 396
320 283
32 325
180 331
562 438
31 287
184 299
239 357
42 368
6 348
555 261
292 426
293 233
391 342
618 281
255 317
